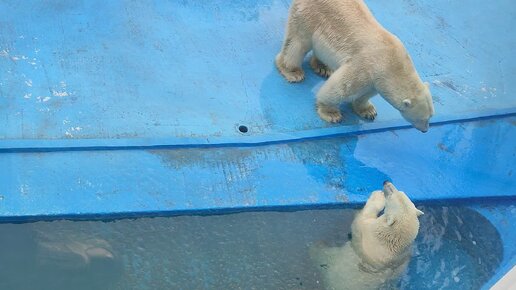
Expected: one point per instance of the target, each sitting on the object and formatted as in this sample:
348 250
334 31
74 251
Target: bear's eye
381 212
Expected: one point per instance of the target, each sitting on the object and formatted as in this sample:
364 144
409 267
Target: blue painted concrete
470 160
182 72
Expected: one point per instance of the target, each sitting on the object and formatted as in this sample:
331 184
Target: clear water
457 248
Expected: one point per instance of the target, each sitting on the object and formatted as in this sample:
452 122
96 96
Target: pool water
457 248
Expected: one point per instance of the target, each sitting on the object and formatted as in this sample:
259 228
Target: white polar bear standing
380 248
360 57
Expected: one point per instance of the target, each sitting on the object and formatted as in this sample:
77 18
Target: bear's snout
386 182
422 126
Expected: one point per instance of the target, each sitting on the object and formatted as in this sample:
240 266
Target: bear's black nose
386 181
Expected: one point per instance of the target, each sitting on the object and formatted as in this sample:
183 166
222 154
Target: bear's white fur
380 247
360 57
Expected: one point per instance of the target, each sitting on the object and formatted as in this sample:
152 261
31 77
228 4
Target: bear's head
401 216
419 109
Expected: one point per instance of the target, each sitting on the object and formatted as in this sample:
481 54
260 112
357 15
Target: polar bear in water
360 57
380 248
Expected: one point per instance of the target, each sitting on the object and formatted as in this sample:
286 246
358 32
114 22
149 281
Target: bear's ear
390 220
418 212
407 103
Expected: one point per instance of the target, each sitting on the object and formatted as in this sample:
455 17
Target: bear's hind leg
363 107
289 60
319 67
295 46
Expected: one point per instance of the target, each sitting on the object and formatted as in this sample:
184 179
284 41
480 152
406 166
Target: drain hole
243 129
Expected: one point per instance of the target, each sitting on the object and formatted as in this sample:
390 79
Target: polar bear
360 57
380 247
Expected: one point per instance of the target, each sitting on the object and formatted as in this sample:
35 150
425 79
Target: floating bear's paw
377 200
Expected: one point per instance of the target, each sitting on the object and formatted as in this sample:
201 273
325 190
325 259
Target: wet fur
380 248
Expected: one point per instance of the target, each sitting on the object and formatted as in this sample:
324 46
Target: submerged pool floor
457 248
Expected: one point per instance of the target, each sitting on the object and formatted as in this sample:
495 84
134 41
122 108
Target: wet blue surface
471 160
182 72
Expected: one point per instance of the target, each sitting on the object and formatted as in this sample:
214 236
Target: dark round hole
243 129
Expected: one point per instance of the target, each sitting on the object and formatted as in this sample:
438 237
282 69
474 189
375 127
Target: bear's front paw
377 200
365 110
292 75
329 114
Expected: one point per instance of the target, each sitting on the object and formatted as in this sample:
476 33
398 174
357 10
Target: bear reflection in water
54 258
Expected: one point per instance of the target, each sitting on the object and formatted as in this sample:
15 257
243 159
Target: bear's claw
320 68
366 111
329 114
291 75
